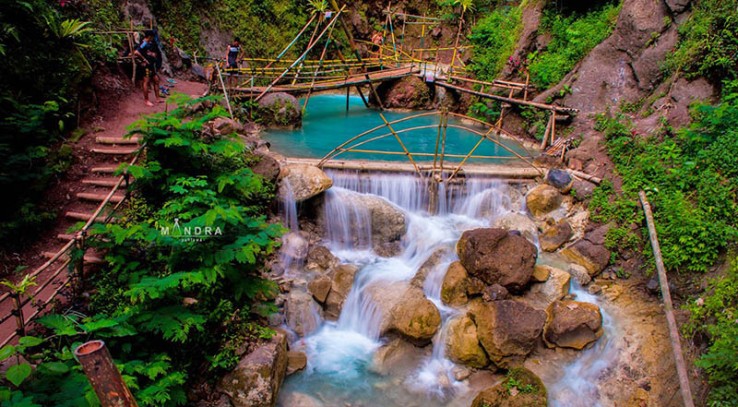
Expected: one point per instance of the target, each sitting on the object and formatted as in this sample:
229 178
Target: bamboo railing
24 308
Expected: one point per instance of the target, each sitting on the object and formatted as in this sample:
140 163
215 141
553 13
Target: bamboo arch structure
442 171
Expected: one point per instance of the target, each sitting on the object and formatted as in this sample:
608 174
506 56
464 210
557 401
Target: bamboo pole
301 58
225 91
676 345
546 133
103 375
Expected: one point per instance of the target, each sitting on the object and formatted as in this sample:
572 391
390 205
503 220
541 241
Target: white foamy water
340 353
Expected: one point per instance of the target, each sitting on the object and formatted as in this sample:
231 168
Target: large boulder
453 289
556 287
387 221
508 330
320 287
343 280
256 380
555 235
301 312
403 309
497 256
520 388
280 110
406 93
519 222
543 199
463 345
572 324
415 317
303 182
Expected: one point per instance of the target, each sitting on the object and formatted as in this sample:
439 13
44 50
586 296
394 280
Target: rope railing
79 241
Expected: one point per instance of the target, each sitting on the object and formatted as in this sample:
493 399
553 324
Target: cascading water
340 353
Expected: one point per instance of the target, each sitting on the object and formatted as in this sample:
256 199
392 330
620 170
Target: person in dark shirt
233 55
148 53
233 58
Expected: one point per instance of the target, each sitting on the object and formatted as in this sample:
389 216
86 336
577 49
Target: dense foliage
264 27
45 58
572 37
691 177
715 315
708 43
182 293
494 38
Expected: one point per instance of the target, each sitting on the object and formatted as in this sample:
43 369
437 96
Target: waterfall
341 353
578 385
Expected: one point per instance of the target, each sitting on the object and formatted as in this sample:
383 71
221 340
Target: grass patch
572 37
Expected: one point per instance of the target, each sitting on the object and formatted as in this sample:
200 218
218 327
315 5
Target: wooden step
102 181
64 237
117 140
91 258
98 197
85 216
114 150
110 169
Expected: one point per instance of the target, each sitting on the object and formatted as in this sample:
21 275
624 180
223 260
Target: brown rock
555 235
507 330
303 182
320 258
343 280
429 265
519 222
540 274
320 287
453 289
256 380
395 354
475 287
301 312
572 324
593 257
463 345
415 317
296 361
556 287
530 393
495 292
406 93
497 256
267 167
543 199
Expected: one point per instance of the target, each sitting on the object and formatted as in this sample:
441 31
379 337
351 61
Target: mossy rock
521 388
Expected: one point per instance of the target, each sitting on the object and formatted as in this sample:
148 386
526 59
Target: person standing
148 53
233 59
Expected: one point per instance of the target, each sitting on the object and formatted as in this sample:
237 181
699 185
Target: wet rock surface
572 324
543 199
256 380
463 344
303 182
497 256
521 388
453 289
508 330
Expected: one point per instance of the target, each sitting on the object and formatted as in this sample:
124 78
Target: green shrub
494 38
716 318
690 178
572 37
708 42
172 306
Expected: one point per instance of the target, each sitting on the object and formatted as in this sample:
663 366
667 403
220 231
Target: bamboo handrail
64 250
676 345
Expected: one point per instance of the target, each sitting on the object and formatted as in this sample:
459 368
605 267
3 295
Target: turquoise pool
326 125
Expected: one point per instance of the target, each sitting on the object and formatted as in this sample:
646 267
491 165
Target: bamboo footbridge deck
350 81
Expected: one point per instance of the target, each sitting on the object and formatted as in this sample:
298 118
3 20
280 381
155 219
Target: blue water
326 125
